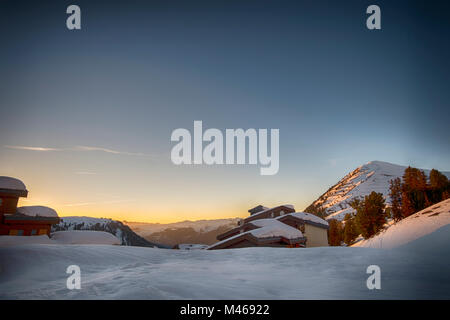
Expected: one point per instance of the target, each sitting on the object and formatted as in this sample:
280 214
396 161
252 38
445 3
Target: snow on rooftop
273 228
37 211
308 217
11 183
85 237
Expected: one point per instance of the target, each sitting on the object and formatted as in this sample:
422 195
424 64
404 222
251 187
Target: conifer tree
439 186
395 192
414 191
370 214
335 232
350 230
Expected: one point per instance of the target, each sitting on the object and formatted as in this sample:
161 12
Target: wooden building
260 233
22 221
282 223
264 213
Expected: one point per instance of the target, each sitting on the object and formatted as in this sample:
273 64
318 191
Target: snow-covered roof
274 228
11 184
37 211
307 217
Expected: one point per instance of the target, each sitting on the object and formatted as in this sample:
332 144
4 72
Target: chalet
261 233
280 226
22 221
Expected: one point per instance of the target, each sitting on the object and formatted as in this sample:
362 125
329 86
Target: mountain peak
372 176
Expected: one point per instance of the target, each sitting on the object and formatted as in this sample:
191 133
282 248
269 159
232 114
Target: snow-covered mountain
411 228
200 231
373 176
127 236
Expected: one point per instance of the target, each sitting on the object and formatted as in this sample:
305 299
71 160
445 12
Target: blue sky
340 94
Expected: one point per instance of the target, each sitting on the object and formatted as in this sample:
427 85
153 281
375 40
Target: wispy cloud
32 148
77 148
87 148
85 173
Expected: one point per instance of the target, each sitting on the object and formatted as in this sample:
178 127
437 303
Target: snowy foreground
419 269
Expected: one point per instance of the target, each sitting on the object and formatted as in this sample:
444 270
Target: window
33 232
42 231
281 212
20 232
13 232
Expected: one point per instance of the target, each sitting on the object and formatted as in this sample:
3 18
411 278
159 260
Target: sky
86 115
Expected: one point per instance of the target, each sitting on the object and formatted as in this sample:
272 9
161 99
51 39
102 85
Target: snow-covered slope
414 271
373 176
411 228
126 236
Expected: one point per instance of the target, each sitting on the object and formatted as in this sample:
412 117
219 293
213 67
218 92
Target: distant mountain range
373 176
200 232
127 236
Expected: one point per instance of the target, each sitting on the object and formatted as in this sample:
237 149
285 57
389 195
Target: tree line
409 194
